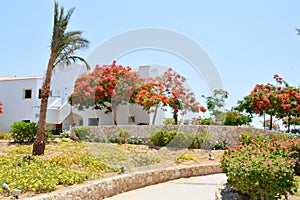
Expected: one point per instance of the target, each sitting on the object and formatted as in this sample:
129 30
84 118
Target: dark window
40 93
26 120
80 122
28 93
93 121
131 119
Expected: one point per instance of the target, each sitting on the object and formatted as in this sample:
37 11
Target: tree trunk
271 122
289 124
41 139
114 112
154 116
264 121
175 116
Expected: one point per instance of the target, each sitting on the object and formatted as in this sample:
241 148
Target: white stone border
108 187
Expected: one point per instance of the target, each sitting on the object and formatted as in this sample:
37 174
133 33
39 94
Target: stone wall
104 188
231 134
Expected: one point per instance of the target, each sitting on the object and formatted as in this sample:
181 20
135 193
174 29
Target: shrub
23 131
205 140
174 138
206 121
183 157
262 168
83 133
159 137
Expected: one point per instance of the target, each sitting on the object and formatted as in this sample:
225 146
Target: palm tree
63 47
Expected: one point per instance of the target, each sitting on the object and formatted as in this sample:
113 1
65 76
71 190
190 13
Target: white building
21 100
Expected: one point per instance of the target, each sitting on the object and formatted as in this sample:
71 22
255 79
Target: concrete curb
108 187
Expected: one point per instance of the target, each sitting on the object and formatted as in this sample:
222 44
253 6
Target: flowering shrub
263 168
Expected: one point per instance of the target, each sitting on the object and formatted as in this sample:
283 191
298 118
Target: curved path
201 187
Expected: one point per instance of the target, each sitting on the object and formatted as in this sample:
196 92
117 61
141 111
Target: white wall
15 107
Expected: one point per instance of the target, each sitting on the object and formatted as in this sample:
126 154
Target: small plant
64 134
205 140
220 145
23 131
185 156
5 136
135 140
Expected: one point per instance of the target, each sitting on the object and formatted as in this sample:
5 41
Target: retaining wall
231 134
111 186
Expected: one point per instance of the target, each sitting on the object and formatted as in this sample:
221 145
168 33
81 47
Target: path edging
108 187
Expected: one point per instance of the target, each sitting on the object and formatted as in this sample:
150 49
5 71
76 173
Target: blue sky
248 41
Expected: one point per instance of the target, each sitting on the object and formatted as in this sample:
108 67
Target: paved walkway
195 188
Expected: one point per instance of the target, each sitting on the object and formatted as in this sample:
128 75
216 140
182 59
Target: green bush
159 137
23 131
206 121
262 169
174 138
83 133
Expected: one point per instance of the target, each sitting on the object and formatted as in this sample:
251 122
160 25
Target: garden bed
67 156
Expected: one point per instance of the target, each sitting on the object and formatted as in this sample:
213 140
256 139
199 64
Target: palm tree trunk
154 116
41 139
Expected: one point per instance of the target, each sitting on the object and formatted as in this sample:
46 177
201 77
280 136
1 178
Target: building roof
10 78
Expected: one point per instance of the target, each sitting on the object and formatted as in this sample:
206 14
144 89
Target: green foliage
206 121
184 157
23 131
220 145
83 133
64 134
174 138
205 140
263 168
5 136
171 121
236 119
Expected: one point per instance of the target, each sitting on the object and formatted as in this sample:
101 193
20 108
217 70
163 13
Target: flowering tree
280 101
1 112
105 87
150 94
167 90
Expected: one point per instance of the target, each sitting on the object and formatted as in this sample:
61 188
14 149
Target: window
131 119
27 93
93 121
26 120
40 94
80 122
